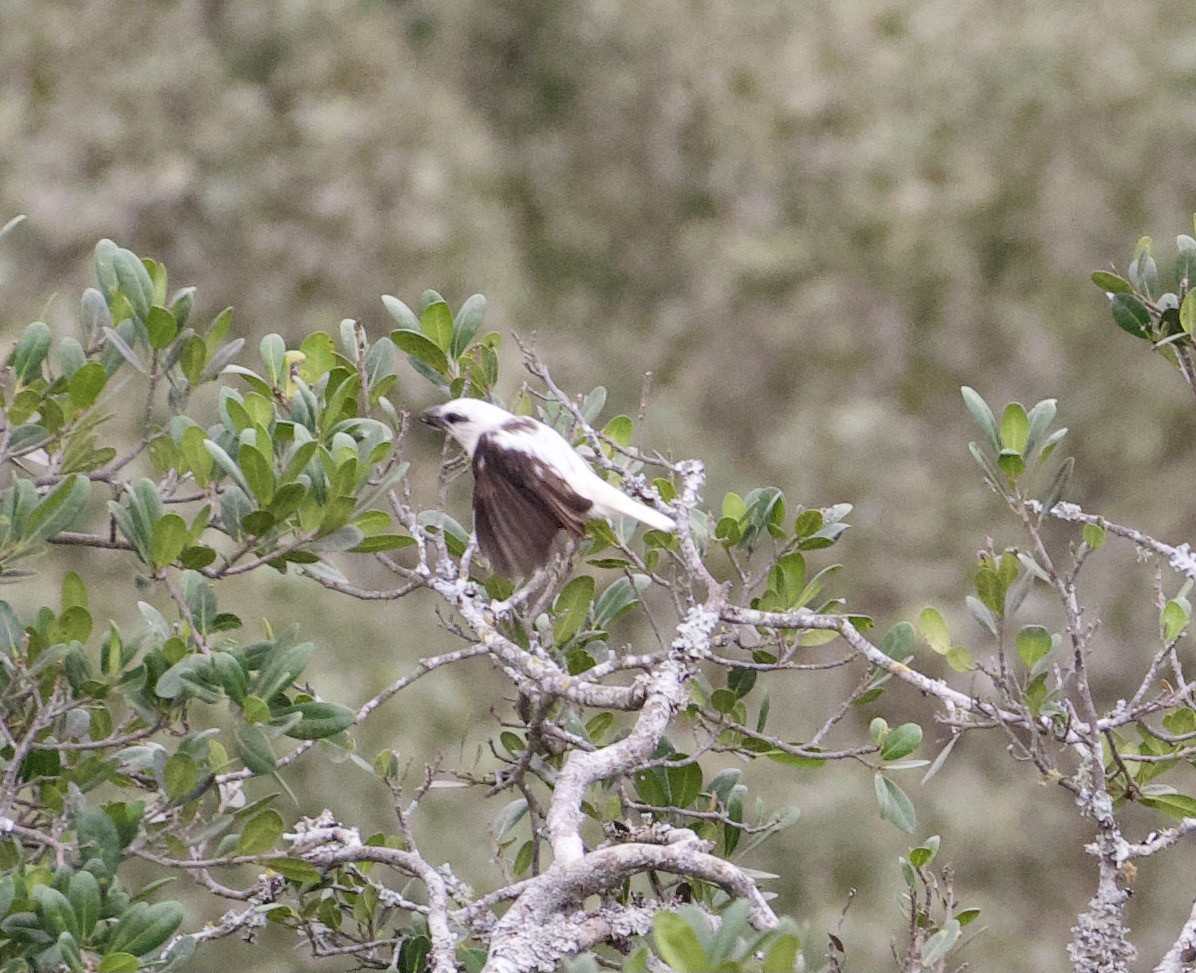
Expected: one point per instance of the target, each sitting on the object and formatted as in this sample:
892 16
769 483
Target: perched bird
529 484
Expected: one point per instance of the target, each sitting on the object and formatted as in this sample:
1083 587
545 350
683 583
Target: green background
811 221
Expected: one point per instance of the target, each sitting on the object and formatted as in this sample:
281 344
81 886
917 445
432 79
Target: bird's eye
453 417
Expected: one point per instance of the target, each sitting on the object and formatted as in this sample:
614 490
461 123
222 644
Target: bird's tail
615 501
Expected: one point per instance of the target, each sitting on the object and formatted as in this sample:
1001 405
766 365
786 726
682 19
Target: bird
529 485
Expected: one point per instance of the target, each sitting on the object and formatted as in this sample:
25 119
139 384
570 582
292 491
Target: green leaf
118 963
86 384
1178 806
467 323
781 956
84 893
56 912
794 759
298 461
70 356
983 416
162 327
1041 417
379 366
1174 619
1011 462
296 870
402 314
723 700
134 280
31 350
158 923
894 805
11 629
284 667
254 750
1144 269
225 462
740 681
261 833
685 783
182 304
436 322
318 720
57 511
510 815
179 952
1051 442
940 944
650 788
934 629
523 858
200 599
195 453
960 659
1185 265
901 742
273 351
923 855
1015 428
187 676
788 576
232 676
117 340
180 775
255 709
593 404
619 429
1187 312
981 613
572 608
678 944
1111 283
1033 643
169 538
319 357
74 591
422 349
1058 485
899 642
383 542
98 838
1130 314
991 590
257 472
616 600
104 253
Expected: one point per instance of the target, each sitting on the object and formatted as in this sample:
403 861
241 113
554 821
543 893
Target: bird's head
466 420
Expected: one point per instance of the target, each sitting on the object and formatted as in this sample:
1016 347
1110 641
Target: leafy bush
622 775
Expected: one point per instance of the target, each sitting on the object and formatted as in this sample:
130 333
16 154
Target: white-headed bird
529 485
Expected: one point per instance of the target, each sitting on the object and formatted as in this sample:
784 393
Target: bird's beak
432 418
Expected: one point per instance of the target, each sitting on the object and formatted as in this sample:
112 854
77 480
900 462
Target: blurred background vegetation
811 221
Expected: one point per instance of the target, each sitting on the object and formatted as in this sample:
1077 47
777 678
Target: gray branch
322 842
1181 957
539 670
528 938
583 769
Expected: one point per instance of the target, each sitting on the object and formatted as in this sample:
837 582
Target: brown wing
519 507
